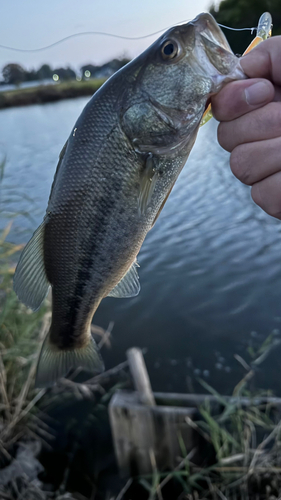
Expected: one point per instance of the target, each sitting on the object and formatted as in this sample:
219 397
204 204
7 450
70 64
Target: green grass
21 332
245 466
92 84
49 93
246 440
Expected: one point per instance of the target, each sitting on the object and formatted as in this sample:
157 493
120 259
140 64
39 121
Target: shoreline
48 93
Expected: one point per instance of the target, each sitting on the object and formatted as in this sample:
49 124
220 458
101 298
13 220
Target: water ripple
210 268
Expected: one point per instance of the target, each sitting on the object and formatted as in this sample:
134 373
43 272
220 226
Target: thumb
238 98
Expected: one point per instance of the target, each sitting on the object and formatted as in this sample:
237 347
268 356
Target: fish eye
169 49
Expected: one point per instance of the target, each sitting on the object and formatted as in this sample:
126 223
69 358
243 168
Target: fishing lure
264 31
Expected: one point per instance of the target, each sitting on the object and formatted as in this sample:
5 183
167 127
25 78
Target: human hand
249 112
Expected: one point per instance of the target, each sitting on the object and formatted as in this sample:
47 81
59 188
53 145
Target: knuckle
239 165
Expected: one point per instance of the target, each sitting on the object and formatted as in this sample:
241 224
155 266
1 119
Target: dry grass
246 438
20 333
247 466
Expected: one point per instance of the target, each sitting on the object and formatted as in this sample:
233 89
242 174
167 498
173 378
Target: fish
113 178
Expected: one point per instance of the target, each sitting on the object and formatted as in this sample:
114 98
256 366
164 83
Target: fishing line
103 33
238 29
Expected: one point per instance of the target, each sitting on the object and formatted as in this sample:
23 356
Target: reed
20 333
246 441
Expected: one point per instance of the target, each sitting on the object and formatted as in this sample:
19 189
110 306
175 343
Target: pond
210 269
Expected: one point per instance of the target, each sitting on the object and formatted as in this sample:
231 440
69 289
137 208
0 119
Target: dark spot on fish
93 253
68 339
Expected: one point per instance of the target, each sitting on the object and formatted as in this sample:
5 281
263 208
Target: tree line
245 14
14 73
233 13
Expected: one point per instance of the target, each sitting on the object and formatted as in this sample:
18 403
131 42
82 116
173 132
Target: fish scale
113 178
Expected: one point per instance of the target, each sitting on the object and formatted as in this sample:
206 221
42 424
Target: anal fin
129 285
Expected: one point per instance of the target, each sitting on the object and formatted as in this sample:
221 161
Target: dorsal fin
30 281
61 157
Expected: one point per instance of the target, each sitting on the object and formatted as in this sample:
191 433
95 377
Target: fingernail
257 93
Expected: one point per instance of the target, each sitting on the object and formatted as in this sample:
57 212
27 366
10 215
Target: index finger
264 61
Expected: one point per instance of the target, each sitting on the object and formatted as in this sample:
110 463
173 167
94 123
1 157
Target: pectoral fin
162 206
129 286
147 184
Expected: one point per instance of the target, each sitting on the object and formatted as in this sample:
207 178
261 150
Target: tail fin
55 363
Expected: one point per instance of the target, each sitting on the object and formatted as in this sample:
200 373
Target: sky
35 23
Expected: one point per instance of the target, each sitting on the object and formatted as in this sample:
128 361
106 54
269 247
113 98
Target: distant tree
13 73
89 67
30 76
245 14
116 64
124 61
45 72
65 73
105 70
111 67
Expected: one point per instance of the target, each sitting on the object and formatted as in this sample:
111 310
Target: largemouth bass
113 178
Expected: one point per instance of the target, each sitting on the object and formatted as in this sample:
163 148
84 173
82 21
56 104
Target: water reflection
210 268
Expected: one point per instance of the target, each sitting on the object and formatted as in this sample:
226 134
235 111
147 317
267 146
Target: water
25 85
210 268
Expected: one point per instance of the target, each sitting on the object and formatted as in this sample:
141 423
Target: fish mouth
214 53
209 30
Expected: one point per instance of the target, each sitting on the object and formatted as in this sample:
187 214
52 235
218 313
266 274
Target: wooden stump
142 432
146 435
152 430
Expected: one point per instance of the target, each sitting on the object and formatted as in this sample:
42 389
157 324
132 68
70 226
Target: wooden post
146 435
140 376
140 430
